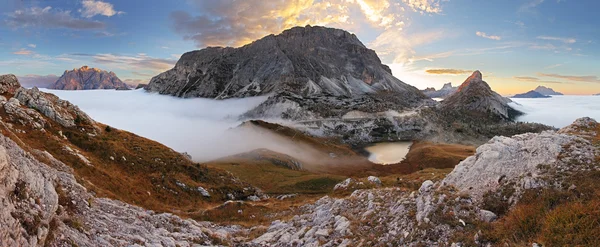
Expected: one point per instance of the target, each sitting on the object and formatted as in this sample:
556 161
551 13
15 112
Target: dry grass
424 155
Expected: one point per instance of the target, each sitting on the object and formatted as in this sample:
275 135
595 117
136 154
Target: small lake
387 153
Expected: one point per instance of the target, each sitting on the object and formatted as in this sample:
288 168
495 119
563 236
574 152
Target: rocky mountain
531 94
444 92
86 78
475 96
546 91
304 61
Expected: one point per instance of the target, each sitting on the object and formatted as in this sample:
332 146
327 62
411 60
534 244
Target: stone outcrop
86 78
61 111
476 96
9 84
519 159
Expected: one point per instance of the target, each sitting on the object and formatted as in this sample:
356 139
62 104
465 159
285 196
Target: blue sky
517 44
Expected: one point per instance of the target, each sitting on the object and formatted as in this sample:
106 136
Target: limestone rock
61 111
9 84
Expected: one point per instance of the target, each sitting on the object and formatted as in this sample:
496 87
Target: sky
516 44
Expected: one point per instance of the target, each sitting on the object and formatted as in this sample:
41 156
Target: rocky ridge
444 92
86 78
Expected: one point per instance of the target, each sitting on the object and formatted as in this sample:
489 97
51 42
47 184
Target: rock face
45 205
303 60
444 92
517 159
546 91
9 84
86 78
61 111
531 94
476 96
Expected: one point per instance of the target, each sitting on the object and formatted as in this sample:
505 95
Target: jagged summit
476 96
476 77
85 78
444 92
305 61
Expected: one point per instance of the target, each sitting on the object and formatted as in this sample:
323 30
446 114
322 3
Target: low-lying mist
558 111
196 126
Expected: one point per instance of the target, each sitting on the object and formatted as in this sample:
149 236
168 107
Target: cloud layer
569 108
197 126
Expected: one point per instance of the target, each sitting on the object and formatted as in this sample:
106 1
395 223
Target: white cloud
561 39
424 6
32 45
485 35
395 46
48 18
92 8
24 52
530 5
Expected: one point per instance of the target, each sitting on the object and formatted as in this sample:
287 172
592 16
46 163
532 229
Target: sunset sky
517 44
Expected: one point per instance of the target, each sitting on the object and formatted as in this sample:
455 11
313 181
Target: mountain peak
476 78
306 61
475 95
546 91
88 78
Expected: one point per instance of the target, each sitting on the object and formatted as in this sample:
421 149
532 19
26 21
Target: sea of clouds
197 126
558 111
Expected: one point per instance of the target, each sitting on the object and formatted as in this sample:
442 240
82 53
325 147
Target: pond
387 153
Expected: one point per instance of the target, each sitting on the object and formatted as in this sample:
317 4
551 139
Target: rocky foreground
436 213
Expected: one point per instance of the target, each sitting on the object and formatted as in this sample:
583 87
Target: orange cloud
448 71
24 52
